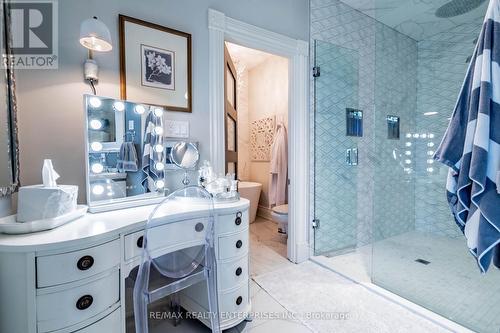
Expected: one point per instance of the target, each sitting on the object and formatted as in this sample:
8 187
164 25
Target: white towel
279 167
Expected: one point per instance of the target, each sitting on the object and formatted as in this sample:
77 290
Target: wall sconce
95 36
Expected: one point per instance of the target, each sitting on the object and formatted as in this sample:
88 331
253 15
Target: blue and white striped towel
150 156
471 148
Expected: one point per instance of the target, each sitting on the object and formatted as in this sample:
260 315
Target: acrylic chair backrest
178 231
178 239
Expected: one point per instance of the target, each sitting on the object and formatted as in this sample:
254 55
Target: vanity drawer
170 237
233 273
109 324
62 268
234 245
133 245
235 302
232 223
73 305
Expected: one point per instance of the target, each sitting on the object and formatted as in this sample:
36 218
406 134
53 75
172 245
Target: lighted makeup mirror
125 153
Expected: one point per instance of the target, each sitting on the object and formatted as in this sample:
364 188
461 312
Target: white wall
51 117
243 125
267 96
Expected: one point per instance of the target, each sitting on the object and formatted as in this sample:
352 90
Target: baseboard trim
302 251
264 212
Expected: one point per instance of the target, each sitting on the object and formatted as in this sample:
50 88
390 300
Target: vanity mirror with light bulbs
126 153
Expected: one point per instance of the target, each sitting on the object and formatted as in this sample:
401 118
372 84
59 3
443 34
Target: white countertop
100 226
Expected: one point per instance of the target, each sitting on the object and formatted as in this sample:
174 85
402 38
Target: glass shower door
338 125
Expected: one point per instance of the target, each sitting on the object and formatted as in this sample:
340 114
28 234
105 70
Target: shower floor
450 284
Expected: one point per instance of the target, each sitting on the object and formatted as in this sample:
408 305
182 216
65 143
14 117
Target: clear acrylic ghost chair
178 245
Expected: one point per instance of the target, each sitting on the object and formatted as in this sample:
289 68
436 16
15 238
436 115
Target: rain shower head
457 7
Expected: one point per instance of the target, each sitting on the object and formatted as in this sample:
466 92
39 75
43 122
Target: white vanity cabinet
72 279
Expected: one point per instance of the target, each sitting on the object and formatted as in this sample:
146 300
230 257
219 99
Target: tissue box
38 202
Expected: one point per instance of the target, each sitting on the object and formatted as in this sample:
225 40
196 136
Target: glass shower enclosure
336 91
383 95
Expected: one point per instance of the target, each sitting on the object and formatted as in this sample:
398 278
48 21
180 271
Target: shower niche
393 127
354 122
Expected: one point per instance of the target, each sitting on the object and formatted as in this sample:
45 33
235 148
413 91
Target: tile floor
327 302
450 284
262 304
267 247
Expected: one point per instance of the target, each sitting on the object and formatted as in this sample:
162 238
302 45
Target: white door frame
223 28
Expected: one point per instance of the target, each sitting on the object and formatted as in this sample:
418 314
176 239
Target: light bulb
430 144
97 168
430 169
119 106
98 189
408 144
159 166
430 161
431 136
160 184
158 148
95 102
407 153
158 130
408 161
96 146
416 135
430 152
408 135
423 136
158 112
139 109
95 124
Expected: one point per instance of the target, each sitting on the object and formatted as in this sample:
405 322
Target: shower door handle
354 156
351 156
348 154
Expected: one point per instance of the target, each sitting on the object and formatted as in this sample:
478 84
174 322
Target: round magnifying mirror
185 155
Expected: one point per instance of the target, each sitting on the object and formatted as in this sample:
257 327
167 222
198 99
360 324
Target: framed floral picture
157 68
155 64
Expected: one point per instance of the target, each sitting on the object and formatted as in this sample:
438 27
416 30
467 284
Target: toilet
280 216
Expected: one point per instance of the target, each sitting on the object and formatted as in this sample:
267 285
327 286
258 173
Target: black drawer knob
239 271
199 227
237 221
239 244
84 302
140 241
85 263
239 300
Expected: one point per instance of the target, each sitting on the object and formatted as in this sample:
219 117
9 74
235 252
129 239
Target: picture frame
155 64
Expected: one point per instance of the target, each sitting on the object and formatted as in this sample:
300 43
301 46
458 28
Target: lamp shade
95 35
